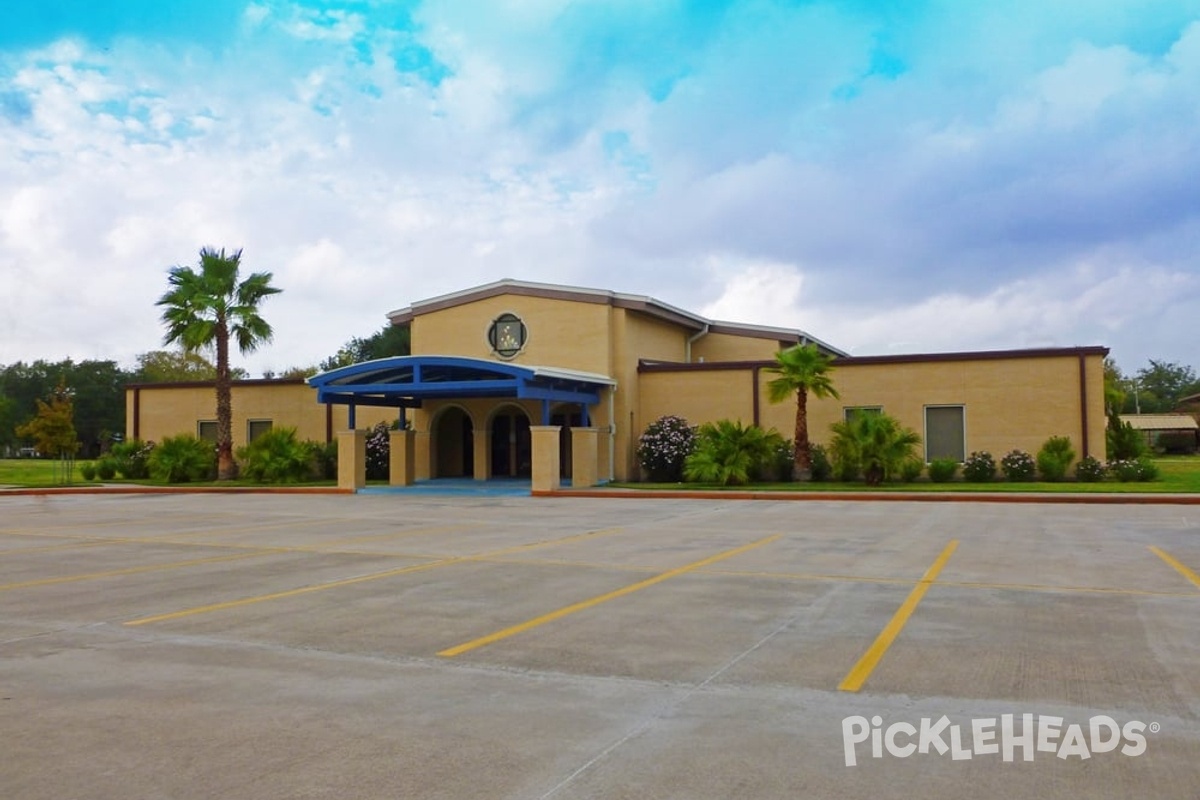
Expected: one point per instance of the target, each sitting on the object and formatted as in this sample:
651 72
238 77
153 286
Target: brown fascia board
913 358
645 305
213 384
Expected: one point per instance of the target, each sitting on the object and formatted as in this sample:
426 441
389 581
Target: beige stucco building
512 377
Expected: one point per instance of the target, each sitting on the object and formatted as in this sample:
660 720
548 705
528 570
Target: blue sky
891 176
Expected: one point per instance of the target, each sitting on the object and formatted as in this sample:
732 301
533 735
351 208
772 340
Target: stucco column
352 460
402 458
481 448
546 467
585 464
423 470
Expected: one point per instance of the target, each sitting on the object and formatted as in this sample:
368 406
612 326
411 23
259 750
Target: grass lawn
1180 475
35 473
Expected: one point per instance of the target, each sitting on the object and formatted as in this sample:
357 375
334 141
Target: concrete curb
904 497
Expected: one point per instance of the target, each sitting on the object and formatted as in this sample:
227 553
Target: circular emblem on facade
507 335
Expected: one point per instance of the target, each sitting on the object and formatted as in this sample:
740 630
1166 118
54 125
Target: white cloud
992 193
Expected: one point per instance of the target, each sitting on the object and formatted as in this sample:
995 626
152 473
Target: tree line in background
1154 389
97 387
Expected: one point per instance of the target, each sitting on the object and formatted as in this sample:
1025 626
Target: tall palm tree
206 308
801 369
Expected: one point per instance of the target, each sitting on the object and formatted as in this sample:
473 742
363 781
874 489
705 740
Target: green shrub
1089 470
911 469
1054 458
1018 466
822 470
777 465
132 458
727 452
1138 469
1177 442
276 456
87 471
942 470
182 459
979 467
873 444
106 469
324 459
1124 443
846 468
664 447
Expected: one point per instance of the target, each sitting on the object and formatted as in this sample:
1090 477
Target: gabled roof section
634 302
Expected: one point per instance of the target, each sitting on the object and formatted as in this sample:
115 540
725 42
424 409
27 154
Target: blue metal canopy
406 381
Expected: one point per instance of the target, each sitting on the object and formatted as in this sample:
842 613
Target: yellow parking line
441 562
595 601
245 601
858 675
126 571
1179 566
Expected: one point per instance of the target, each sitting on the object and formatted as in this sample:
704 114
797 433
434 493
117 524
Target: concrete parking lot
384 646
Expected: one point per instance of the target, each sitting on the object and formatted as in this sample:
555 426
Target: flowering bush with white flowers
1090 470
979 467
1018 466
1133 469
379 450
664 446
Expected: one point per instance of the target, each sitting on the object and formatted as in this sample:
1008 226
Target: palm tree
206 308
728 452
876 444
802 369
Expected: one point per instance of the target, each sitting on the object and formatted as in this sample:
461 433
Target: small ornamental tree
53 430
664 447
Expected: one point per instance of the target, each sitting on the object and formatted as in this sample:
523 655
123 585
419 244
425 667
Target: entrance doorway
566 419
454 446
512 446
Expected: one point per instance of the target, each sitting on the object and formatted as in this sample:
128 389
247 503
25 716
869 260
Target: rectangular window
206 429
945 433
256 428
850 412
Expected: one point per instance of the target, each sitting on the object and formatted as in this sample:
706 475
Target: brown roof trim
913 358
594 296
659 312
751 332
213 384
974 355
492 290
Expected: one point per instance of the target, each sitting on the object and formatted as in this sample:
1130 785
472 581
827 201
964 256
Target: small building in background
1167 433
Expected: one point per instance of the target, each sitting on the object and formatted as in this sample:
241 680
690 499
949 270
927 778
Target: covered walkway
409 383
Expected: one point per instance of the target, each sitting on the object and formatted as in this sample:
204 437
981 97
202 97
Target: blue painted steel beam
432 390
367 400
558 395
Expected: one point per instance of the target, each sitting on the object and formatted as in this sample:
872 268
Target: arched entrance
453 444
512 446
